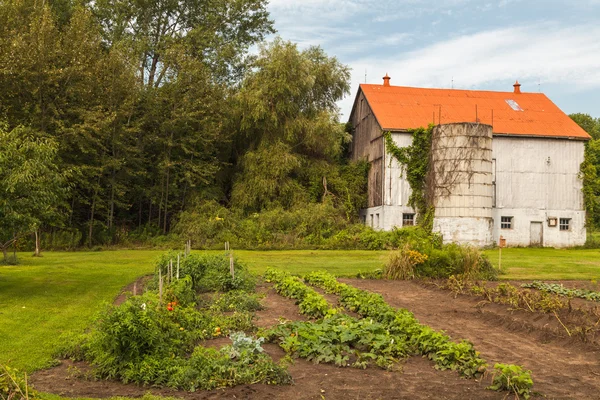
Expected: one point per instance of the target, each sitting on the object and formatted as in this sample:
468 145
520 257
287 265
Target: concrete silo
460 182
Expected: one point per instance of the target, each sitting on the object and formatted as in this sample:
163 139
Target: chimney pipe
386 80
517 87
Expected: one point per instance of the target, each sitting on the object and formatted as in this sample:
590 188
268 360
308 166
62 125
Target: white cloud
545 53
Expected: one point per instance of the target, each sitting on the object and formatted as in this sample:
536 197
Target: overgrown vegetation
14 386
154 338
589 170
158 110
415 159
424 256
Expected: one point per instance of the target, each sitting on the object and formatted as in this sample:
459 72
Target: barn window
364 219
565 224
371 220
506 222
408 219
377 219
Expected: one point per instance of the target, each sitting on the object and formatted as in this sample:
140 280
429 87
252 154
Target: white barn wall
528 188
538 178
396 191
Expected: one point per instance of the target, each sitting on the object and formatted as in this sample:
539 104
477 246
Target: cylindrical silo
460 181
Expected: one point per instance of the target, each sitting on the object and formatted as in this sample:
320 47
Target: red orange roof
530 114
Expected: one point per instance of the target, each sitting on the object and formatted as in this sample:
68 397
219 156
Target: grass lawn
548 263
43 297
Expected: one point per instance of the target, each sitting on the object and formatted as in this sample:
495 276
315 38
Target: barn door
536 234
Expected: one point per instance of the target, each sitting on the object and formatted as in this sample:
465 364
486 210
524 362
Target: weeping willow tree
290 141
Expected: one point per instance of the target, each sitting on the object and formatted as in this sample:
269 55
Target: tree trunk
37 243
160 203
91 230
5 252
150 213
166 201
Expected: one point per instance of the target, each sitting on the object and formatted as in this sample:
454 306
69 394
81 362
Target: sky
548 45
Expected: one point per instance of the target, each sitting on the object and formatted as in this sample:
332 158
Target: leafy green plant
559 289
310 302
513 378
13 385
422 339
235 300
341 340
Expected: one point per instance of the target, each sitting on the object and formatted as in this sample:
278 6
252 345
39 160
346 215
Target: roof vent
386 80
517 87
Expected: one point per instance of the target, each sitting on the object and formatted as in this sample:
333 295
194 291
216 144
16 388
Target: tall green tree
32 186
588 123
288 121
590 168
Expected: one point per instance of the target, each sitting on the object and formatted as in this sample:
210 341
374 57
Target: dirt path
562 369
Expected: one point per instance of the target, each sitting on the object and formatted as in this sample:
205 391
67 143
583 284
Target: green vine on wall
415 160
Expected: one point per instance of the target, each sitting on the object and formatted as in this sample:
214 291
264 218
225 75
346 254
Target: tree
590 168
587 123
32 187
288 121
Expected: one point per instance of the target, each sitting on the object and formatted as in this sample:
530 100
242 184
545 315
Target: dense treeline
590 169
156 108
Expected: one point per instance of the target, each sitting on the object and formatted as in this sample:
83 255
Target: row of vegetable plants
505 293
422 339
559 289
333 337
156 338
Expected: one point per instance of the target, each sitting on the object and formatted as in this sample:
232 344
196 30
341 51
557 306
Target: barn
522 152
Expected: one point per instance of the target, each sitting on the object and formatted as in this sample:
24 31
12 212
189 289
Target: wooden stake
500 259
171 271
178 266
231 270
160 287
135 288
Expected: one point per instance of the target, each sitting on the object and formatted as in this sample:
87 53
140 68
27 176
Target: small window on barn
565 224
506 222
371 220
377 220
408 219
364 219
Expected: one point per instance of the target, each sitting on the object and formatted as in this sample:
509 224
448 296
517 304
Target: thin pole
160 287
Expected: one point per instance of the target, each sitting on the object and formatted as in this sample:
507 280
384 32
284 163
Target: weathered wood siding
368 144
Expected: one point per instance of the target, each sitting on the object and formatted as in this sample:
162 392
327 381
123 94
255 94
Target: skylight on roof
514 105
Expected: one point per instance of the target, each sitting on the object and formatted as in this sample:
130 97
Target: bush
513 378
13 385
208 273
236 300
401 264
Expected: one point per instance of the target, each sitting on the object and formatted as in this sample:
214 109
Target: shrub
513 378
208 273
236 300
13 385
401 264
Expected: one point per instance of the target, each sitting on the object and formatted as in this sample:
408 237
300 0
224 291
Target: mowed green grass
547 263
61 292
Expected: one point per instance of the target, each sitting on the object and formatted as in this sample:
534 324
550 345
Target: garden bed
562 367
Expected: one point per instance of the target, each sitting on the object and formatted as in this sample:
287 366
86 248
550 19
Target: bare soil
563 367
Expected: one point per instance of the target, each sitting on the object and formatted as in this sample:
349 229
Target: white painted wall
536 179
528 188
